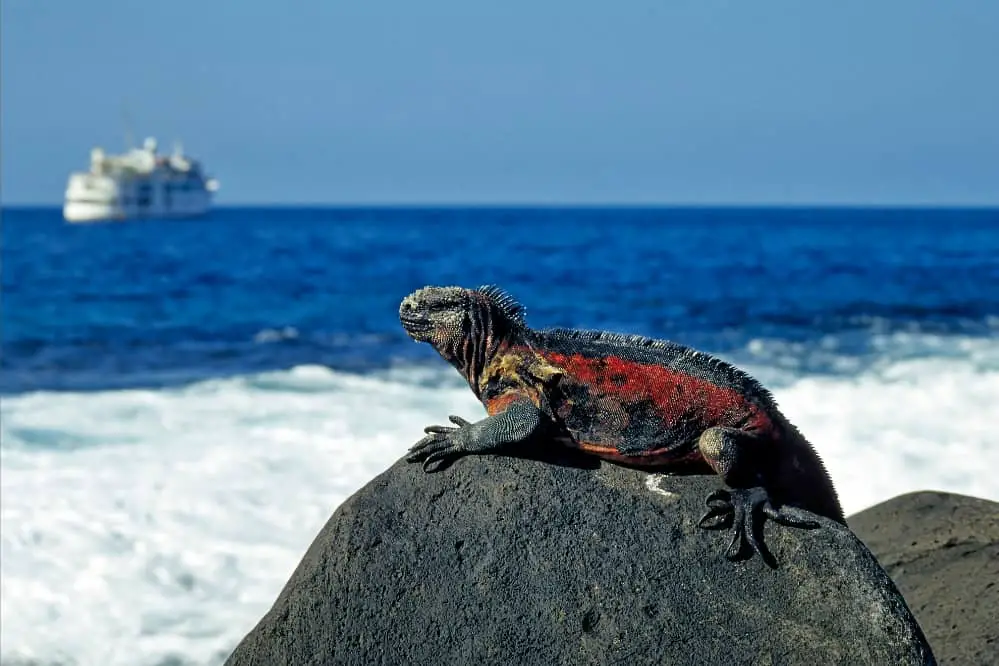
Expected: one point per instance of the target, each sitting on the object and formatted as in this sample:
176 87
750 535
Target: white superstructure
138 184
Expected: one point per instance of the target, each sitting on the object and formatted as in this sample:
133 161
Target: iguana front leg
740 458
519 422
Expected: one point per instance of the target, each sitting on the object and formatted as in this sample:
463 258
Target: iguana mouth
415 323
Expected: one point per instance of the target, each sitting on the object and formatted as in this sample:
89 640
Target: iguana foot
743 510
517 424
440 444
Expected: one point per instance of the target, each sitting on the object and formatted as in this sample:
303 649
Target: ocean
184 403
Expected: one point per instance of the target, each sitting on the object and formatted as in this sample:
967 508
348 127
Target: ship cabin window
145 195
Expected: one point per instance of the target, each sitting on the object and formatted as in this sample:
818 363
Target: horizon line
566 205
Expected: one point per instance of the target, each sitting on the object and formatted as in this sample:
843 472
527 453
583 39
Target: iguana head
464 325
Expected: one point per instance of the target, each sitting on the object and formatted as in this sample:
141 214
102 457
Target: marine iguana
625 398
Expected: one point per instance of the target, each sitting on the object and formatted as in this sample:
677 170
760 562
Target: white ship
138 184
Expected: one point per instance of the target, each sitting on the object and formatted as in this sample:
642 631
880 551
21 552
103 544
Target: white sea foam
149 527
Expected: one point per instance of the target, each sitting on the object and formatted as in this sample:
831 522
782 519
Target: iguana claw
743 510
440 443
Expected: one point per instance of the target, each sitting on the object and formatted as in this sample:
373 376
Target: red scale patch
672 392
501 402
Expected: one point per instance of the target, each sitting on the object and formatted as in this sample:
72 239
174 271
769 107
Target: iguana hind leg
516 424
740 458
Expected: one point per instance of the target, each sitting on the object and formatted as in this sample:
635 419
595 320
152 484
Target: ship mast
127 125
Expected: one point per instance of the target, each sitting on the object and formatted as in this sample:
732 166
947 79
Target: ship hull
191 204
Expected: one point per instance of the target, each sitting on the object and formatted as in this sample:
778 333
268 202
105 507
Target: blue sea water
184 402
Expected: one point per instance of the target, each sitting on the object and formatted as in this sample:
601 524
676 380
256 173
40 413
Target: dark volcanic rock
500 560
942 550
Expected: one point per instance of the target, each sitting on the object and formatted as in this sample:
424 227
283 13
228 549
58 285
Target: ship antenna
127 124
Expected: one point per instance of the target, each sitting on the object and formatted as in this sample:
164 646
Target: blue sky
456 101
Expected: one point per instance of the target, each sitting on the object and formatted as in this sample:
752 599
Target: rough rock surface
501 560
942 550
